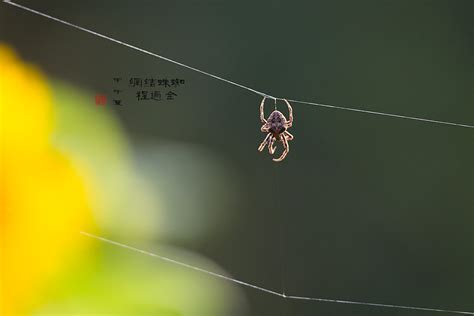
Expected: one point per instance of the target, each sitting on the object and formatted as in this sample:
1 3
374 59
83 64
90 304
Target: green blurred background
364 208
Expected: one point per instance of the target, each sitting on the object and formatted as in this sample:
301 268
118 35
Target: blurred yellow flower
42 197
58 176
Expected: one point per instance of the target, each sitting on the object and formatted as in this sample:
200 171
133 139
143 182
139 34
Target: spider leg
271 149
290 109
265 128
289 135
265 141
285 152
262 113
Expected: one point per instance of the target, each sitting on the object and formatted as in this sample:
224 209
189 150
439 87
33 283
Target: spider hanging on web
276 126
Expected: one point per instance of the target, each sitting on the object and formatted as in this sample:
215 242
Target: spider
276 126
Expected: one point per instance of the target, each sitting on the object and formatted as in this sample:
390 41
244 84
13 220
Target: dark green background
365 207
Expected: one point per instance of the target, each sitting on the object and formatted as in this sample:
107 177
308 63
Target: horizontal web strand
226 80
382 113
262 289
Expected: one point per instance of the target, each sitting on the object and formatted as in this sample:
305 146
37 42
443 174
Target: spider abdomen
277 129
276 122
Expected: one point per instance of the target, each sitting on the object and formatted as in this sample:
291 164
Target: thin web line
229 81
382 113
135 47
259 288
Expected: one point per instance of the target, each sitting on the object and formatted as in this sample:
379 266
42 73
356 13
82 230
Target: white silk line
262 289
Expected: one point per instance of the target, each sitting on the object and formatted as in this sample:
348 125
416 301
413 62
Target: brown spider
276 126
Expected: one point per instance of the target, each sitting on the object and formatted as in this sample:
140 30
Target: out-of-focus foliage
123 202
66 168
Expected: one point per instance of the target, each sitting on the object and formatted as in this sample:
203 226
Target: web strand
135 48
262 289
229 81
381 113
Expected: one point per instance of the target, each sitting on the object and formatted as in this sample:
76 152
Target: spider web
262 94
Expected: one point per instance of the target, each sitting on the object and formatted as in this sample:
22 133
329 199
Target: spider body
276 126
